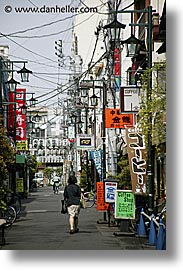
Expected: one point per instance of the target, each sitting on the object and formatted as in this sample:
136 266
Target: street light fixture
84 92
12 84
94 100
115 29
24 73
132 45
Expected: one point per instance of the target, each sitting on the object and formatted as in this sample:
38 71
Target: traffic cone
152 233
141 230
161 239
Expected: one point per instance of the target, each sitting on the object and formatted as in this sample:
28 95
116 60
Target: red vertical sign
20 116
15 111
117 69
101 204
117 62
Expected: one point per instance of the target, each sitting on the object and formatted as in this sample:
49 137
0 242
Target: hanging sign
85 141
114 119
124 204
129 99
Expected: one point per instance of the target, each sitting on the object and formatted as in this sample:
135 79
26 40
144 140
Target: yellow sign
22 145
19 185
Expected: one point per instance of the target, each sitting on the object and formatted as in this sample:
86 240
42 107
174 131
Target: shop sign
114 119
137 155
124 204
22 145
110 188
85 141
129 99
101 205
19 185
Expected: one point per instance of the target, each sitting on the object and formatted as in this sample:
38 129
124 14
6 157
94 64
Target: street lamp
12 85
94 100
114 29
84 92
24 73
132 45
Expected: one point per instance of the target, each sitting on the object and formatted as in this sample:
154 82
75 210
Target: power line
28 49
48 24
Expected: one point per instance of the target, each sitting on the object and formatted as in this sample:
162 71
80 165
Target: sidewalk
41 226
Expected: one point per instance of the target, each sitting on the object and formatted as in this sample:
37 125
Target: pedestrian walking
72 195
56 182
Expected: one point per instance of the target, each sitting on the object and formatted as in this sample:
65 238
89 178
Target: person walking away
56 181
72 195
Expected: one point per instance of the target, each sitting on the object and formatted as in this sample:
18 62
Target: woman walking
72 195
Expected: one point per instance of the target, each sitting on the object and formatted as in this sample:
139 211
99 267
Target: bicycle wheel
17 205
89 202
10 215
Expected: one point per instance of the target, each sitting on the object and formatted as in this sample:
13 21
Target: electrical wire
48 24
28 49
76 78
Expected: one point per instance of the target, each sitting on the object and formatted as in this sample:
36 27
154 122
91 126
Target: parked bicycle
9 214
10 207
89 198
13 200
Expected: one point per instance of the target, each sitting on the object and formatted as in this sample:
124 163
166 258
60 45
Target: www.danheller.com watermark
54 9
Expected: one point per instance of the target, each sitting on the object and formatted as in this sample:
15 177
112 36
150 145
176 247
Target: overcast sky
33 45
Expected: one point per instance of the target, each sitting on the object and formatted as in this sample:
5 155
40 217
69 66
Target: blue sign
110 188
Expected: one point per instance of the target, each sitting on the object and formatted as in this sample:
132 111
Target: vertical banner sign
124 204
20 116
71 133
101 205
117 69
137 159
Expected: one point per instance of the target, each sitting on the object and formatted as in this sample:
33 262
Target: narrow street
41 226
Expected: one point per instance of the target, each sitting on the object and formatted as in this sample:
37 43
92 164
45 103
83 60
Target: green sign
124 204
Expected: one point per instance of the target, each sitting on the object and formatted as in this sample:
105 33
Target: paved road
42 227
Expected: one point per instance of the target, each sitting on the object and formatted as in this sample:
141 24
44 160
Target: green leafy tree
7 155
48 172
152 113
59 171
7 158
32 167
123 175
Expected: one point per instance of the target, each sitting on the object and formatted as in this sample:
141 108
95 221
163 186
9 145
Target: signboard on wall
124 204
129 99
114 119
85 141
137 156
